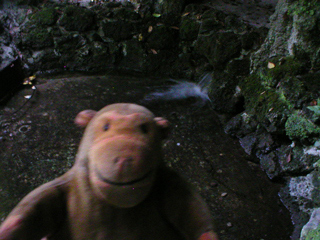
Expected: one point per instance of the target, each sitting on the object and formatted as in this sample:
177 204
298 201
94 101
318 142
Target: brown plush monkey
118 188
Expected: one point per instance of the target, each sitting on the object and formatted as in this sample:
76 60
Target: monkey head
122 145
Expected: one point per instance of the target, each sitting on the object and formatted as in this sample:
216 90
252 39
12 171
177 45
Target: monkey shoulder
39 213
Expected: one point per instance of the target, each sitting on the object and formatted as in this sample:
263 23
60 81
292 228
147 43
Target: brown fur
117 189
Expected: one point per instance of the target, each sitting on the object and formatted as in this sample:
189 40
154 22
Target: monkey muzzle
122 171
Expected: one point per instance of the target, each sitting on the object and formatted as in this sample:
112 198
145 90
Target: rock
134 56
68 42
248 143
189 28
312 229
297 197
47 16
117 29
162 37
279 161
168 6
269 163
302 196
304 39
300 128
252 40
225 93
36 38
238 67
264 103
113 4
219 47
77 19
241 125
101 56
128 14
43 60
279 37
296 160
161 62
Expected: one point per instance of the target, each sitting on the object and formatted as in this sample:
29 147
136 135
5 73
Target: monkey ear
164 126
84 117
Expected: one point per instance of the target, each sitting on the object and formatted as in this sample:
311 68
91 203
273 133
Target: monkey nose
124 164
123 160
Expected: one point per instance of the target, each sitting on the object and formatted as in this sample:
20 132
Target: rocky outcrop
282 99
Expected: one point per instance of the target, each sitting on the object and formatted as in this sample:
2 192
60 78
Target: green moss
45 17
315 110
298 127
263 101
288 66
305 7
273 91
38 39
295 91
313 234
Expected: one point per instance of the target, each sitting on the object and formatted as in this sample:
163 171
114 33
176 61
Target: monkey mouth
145 176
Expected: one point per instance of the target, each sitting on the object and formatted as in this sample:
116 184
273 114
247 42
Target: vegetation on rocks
299 128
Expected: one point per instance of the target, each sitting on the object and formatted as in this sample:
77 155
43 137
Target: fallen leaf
289 157
25 81
140 37
153 51
174 27
27 96
271 65
156 15
29 80
185 14
150 29
32 77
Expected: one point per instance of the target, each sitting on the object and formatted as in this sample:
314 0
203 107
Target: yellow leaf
185 14
140 37
156 15
25 81
32 77
271 65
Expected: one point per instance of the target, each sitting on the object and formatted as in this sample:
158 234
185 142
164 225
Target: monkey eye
144 128
106 127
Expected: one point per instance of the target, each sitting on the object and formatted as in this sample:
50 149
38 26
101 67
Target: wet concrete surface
39 141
